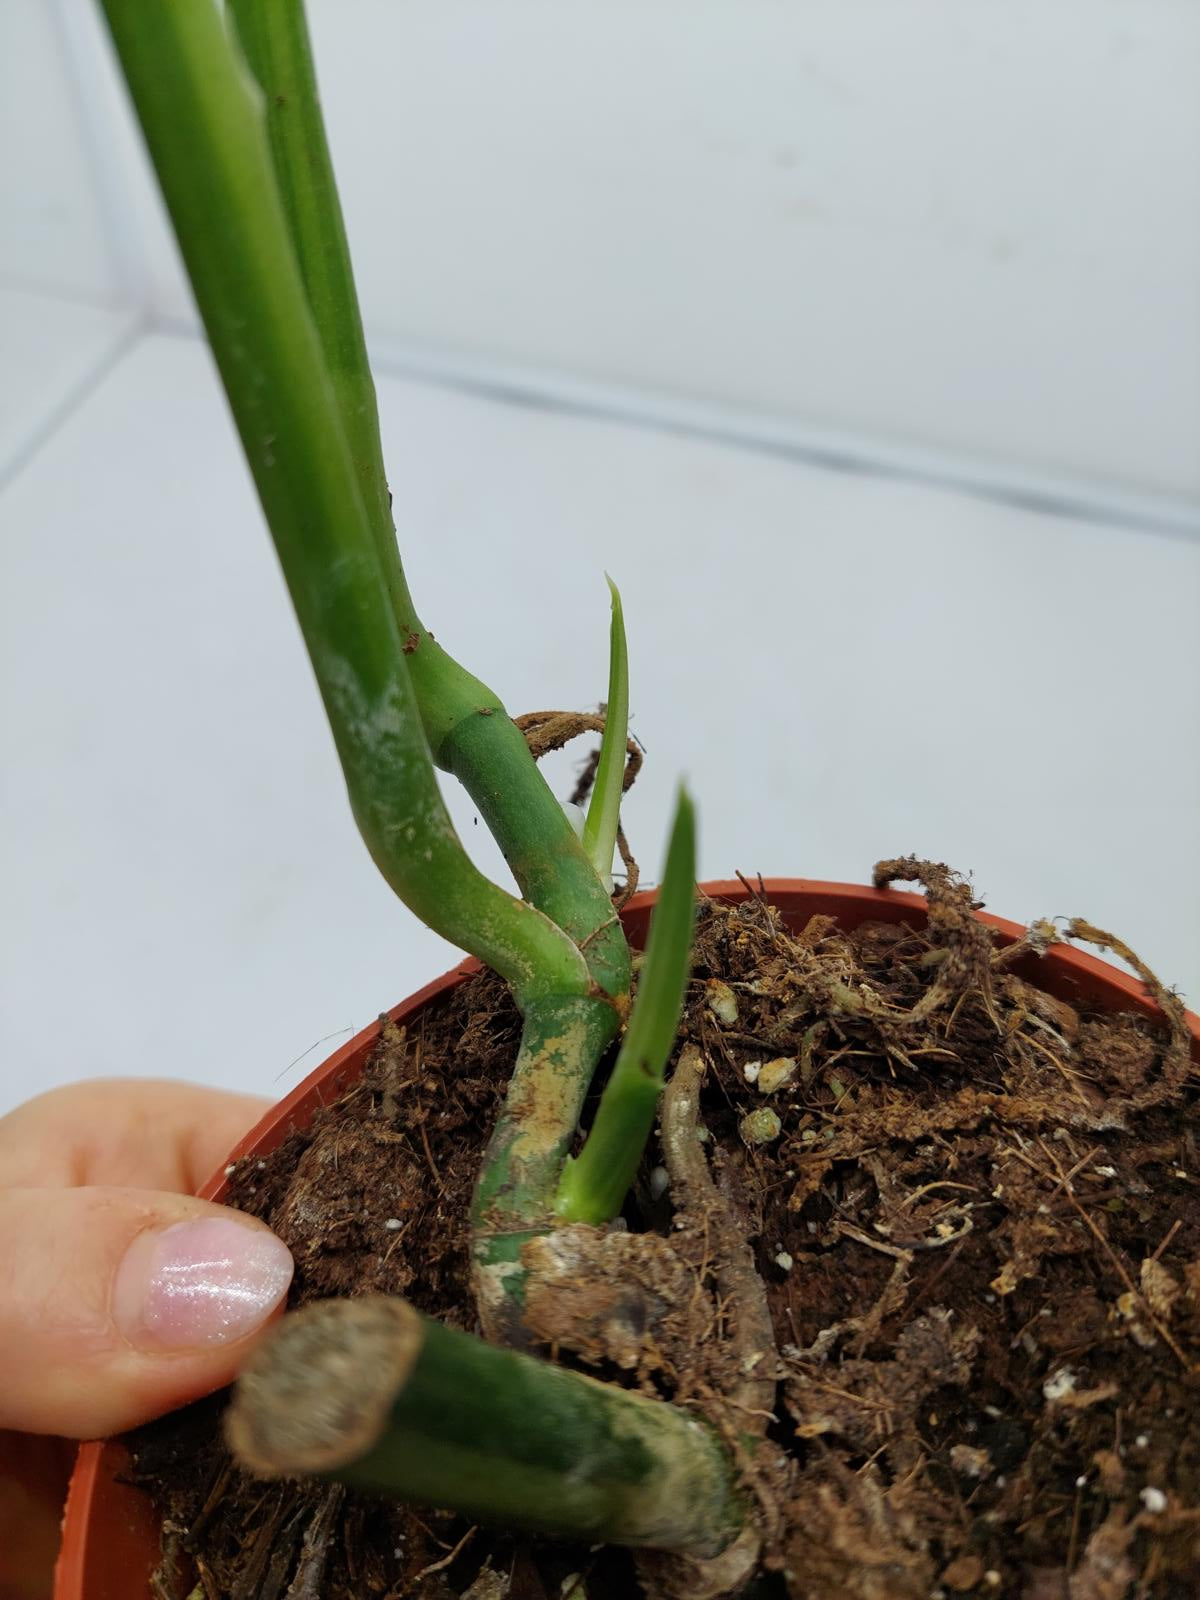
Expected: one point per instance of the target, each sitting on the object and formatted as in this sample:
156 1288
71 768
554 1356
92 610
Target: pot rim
1067 957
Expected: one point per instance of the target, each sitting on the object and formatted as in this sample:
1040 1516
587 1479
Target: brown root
1177 1059
550 730
737 1279
967 942
745 1406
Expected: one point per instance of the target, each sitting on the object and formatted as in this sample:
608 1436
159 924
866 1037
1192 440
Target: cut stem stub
373 1393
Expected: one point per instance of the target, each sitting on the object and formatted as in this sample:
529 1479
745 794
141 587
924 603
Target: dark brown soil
979 1231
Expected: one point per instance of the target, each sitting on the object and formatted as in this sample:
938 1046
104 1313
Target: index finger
128 1132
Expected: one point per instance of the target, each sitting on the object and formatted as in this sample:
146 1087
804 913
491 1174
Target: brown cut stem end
318 1392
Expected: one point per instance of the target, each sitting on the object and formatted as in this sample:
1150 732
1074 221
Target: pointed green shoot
600 827
595 1183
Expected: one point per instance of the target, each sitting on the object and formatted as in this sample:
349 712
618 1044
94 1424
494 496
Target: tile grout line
98 132
72 400
89 300
853 454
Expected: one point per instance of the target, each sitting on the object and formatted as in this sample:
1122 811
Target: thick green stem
562 1040
488 754
263 271
274 38
204 128
496 770
370 1392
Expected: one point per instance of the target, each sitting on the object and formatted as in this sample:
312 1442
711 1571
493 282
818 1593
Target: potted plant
867 1268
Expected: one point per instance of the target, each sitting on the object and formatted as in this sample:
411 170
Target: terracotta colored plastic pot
110 1531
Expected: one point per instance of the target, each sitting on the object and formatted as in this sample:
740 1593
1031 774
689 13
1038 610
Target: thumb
118 1304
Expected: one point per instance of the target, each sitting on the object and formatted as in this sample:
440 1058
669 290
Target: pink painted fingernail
200 1283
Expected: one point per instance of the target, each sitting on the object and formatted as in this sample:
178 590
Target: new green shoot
594 1184
604 812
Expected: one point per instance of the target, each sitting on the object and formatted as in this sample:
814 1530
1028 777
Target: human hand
120 1296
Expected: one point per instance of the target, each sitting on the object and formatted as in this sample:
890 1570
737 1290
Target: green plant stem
604 812
594 1184
205 134
372 1393
492 762
274 38
260 268
562 1040
488 754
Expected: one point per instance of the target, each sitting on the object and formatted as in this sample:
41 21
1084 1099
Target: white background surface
955 242
957 234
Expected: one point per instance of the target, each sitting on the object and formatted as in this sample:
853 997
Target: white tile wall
946 228
843 669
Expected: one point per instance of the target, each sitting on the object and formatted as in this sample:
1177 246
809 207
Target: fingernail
200 1283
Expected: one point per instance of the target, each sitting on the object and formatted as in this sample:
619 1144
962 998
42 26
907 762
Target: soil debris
968 1265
